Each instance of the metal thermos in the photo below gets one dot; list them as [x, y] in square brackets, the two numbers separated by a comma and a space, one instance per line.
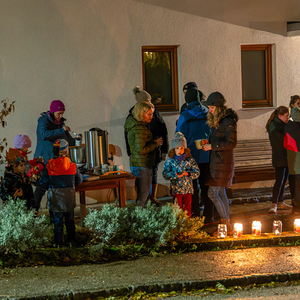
[96, 147]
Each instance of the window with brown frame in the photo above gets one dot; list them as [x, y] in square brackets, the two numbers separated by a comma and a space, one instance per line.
[160, 76]
[257, 88]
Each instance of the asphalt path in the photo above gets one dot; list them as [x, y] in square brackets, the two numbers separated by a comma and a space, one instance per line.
[274, 293]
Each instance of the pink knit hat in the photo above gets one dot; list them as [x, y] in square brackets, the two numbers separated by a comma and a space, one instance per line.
[56, 105]
[22, 141]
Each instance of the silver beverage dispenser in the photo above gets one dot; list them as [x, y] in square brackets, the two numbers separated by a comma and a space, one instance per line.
[96, 148]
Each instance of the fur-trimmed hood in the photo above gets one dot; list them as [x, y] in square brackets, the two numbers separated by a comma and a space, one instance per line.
[214, 120]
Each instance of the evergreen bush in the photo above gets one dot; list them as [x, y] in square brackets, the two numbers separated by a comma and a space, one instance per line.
[20, 229]
[113, 225]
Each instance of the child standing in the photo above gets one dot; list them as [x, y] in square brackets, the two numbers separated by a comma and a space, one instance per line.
[181, 169]
[60, 177]
[16, 183]
[34, 167]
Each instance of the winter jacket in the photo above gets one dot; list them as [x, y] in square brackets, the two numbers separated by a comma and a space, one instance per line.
[60, 177]
[158, 129]
[192, 123]
[47, 133]
[14, 181]
[223, 140]
[142, 146]
[292, 144]
[182, 185]
[276, 136]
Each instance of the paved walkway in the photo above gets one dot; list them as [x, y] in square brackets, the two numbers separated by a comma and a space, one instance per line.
[153, 274]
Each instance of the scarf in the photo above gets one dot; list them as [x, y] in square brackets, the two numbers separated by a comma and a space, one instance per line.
[53, 120]
[180, 157]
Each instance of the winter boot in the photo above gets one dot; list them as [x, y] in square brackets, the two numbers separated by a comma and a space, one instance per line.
[153, 198]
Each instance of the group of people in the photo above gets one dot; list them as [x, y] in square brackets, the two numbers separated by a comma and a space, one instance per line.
[190, 169]
[283, 128]
[51, 170]
[207, 169]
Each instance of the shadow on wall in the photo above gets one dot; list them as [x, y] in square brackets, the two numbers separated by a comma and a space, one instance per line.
[253, 113]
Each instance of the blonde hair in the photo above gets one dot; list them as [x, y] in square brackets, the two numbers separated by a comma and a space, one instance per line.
[140, 109]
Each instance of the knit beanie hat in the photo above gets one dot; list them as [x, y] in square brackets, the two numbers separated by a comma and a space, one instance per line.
[190, 85]
[295, 114]
[141, 95]
[178, 140]
[56, 105]
[215, 99]
[191, 95]
[22, 141]
[63, 144]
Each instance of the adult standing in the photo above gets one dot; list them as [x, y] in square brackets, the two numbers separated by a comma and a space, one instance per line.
[276, 130]
[292, 144]
[222, 121]
[192, 123]
[51, 127]
[142, 148]
[158, 129]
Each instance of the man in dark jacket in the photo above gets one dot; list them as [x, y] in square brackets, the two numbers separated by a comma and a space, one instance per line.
[192, 123]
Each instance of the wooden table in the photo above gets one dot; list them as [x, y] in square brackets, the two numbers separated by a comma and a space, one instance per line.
[112, 182]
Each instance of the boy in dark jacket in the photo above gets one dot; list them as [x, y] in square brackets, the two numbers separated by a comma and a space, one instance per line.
[60, 177]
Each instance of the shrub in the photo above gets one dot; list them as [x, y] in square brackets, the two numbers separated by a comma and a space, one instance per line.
[20, 230]
[159, 225]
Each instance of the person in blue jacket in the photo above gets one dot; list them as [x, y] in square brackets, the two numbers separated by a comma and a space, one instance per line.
[60, 178]
[192, 123]
[51, 127]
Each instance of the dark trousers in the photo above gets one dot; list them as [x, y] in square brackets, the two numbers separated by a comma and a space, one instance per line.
[292, 185]
[205, 200]
[296, 201]
[282, 174]
[58, 220]
[184, 202]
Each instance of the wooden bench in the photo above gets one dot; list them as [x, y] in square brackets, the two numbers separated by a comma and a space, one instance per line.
[253, 161]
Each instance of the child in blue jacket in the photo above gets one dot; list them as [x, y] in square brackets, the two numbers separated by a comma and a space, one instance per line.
[60, 177]
[181, 169]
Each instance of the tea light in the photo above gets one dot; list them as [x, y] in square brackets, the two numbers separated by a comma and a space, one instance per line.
[238, 230]
[297, 225]
[222, 231]
[277, 227]
[256, 228]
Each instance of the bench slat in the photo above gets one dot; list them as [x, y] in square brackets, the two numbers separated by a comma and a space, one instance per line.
[253, 161]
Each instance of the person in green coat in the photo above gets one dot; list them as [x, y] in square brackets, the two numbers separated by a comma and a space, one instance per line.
[142, 148]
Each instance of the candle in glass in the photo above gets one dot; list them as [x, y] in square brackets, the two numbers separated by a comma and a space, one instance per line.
[222, 231]
[238, 230]
[297, 225]
[277, 227]
[256, 228]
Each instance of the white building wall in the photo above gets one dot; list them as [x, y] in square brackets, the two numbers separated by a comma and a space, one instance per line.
[88, 54]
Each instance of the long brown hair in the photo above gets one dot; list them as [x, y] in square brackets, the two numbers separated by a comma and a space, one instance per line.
[214, 119]
[281, 110]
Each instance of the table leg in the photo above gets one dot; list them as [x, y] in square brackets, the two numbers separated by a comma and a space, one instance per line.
[82, 207]
[122, 193]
